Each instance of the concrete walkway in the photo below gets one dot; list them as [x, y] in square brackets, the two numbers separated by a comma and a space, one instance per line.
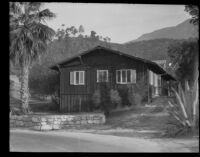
[63, 141]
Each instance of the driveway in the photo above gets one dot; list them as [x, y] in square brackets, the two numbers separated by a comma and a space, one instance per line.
[63, 141]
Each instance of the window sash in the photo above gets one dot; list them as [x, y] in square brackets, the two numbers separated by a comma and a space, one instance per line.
[101, 75]
[123, 74]
[133, 76]
[71, 77]
[82, 77]
[77, 77]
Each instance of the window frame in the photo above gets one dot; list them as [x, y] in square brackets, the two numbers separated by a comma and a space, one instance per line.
[74, 82]
[106, 75]
[131, 76]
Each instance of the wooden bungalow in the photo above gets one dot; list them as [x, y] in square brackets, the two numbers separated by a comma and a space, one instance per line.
[81, 74]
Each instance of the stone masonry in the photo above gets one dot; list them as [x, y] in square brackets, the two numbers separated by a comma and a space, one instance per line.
[55, 122]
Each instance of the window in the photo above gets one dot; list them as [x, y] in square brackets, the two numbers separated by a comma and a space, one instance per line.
[77, 77]
[102, 75]
[125, 76]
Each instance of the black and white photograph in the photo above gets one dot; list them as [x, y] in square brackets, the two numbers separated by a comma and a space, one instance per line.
[103, 77]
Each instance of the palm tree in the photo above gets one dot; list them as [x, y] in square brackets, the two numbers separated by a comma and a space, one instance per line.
[29, 37]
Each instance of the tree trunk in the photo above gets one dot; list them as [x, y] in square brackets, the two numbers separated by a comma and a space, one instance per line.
[24, 92]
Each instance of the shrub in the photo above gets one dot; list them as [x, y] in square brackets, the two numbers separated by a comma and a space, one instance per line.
[43, 81]
[106, 104]
[185, 109]
[135, 96]
[131, 95]
[115, 98]
[96, 99]
[123, 92]
[141, 88]
[138, 93]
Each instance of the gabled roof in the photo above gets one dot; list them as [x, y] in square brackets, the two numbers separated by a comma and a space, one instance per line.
[151, 65]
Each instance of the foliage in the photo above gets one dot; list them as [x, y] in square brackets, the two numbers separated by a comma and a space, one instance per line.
[137, 93]
[64, 33]
[123, 93]
[29, 38]
[106, 105]
[184, 60]
[81, 29]
[43, 81]
[175, 129]
[132, 95]
[115, 98]
[105, 99]
[186, 108]
[193, 10]
[96, 98]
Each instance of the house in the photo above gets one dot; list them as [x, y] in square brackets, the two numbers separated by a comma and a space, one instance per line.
[81, 75]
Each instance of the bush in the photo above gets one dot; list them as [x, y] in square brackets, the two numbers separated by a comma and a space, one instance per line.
[135, 96]
[96, 99]
[138, 93]
[106, 104]
[43, 81]
[141, 88]
[175, 129]
[115, 98]
[105, 99]
[123, 93]
[185, 109]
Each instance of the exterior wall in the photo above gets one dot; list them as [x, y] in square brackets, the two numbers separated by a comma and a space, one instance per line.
[157, 89]
[74, 98]
[55, 122]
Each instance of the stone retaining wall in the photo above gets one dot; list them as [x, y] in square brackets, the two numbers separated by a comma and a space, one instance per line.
[54, 122]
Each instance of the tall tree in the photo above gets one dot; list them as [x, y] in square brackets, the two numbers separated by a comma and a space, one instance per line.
[184, 59]
[93, 34]
[193, 10]
[29, 37]
[81, 29]
[73, 30]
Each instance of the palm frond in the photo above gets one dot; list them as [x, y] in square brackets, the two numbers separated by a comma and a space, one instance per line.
[28, 36]
[46, 14]
[34, 6]
[14, 8]
[41, 31]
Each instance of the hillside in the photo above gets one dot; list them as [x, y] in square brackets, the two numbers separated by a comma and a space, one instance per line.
[60, 50]
[184, 30]
[151, 50]
[151, 46]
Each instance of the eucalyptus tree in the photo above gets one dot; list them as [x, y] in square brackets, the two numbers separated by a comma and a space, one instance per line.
[29, 37]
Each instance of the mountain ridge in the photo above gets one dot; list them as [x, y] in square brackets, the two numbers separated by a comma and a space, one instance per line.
[184, 30]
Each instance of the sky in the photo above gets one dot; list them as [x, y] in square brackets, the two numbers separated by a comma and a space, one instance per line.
[120, 22]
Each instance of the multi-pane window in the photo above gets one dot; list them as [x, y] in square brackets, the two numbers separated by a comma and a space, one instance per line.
[102, 75]
[77, 77]
[125, 76]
